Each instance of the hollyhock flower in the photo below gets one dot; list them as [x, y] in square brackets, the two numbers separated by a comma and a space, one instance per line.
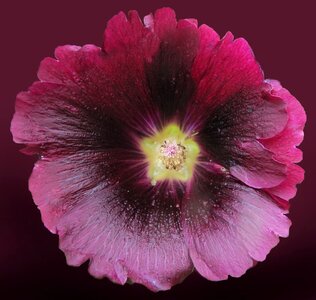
[163, 151]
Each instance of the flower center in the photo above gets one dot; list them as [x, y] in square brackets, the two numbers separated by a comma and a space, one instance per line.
[170, 154]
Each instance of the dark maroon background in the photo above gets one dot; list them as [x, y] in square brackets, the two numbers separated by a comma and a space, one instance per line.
[282, 35]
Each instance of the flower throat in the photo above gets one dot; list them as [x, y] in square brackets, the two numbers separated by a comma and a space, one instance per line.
[170, 154]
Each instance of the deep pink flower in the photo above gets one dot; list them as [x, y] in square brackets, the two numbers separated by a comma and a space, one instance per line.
[164, 151]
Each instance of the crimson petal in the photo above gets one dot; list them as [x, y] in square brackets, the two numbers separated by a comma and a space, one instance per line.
[233, 108]
[224, 67]
[168, 75]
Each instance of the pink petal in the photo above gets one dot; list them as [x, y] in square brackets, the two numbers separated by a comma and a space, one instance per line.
[156, 260]
[94, 224]
[228, 227]
[284, 144]
[258, 169]
[231, 131]
[287, 188]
